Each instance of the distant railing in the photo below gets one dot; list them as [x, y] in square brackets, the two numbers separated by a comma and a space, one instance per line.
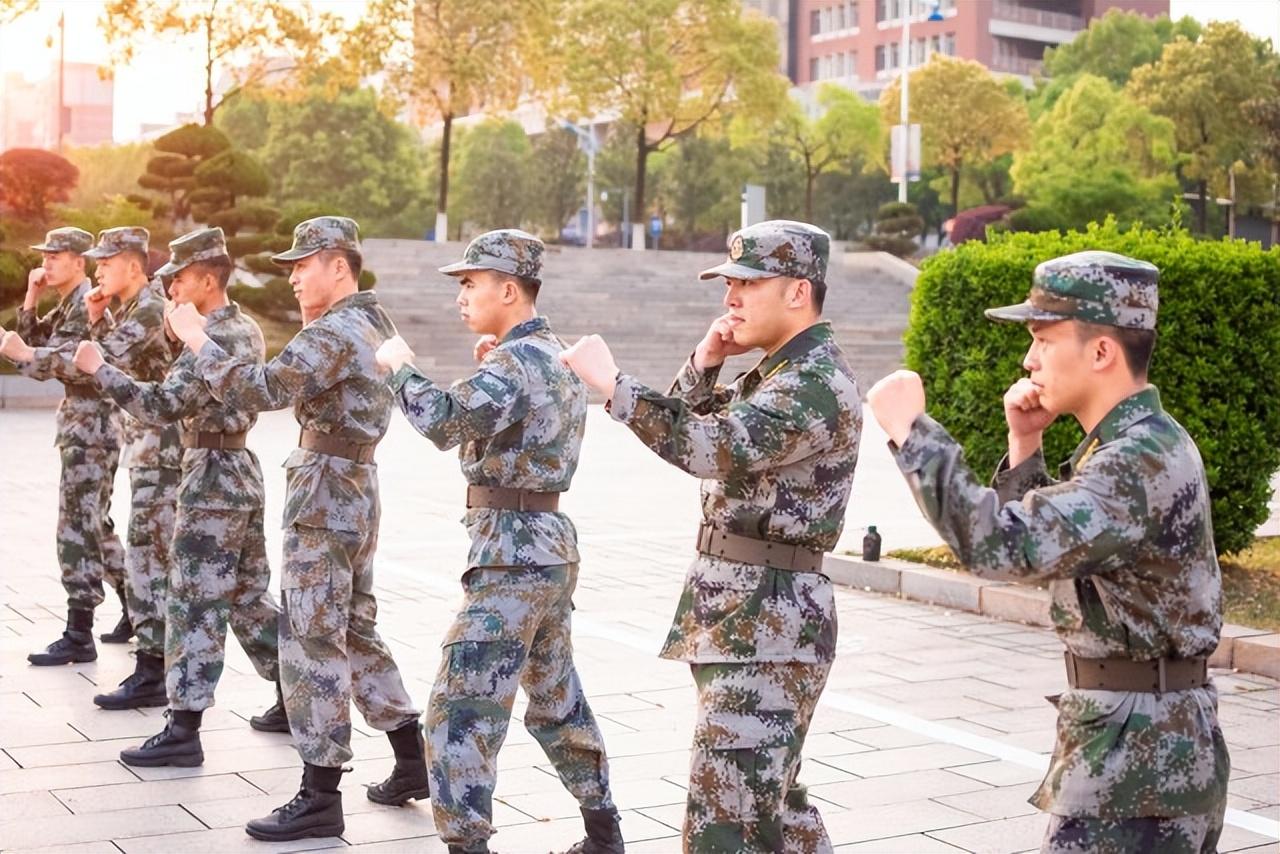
[1008, 11]
[1017, 65]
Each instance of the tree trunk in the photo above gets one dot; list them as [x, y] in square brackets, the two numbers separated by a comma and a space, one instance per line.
[809, 178]
[642, 161]
[955, 190]
[208, 71]
[1202, 213]
[442, 203]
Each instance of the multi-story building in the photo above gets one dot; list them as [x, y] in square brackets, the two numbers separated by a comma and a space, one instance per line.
[858, 43]
[30, 109]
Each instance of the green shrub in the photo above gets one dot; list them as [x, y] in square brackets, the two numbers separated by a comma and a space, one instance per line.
[1216, 362]
[274, 299]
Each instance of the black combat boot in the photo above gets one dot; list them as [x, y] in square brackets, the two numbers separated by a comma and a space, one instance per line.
[479, 848]
[143, 687]
[75, 645]
[408, 780]
[124, 629]
[604, 834]
[273, 719]
[178, 744]
[315, 811]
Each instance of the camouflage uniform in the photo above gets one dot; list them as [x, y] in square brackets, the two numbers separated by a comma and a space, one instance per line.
[776, 452]
[220, 570]
[1125, 542]
[88, 439]
[135, 342]
[330, 652]
[519, 421]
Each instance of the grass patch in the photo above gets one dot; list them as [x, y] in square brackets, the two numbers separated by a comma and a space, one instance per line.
[1250, 580]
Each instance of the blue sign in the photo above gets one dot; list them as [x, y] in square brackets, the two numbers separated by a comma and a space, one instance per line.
[655, 225]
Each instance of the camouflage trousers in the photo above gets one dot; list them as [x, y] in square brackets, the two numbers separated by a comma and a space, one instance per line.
[1192, 834]
[147, 561]
[88, 548]
[751, 725]
[219, 574]
[513, 630]
[330, 652]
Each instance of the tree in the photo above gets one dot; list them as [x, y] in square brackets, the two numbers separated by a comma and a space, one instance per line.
[172, 170]
[701, 188]
[344, 153]
[228, 30]
[557, 180]
[1203, 87]
[966, 116]
[493, 170]
[1115, 44]
[1098, 152]
[845, 129]
[32, 179]
[897, 226]
[665, 68]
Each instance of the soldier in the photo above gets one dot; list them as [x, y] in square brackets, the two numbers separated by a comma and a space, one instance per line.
[88, 440]
[1125, 542]
[519, 421]
[776, 451]
[330, 652]
[220, 570]
[135, 342]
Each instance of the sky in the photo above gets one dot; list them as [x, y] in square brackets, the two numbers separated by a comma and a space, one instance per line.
[166, 78]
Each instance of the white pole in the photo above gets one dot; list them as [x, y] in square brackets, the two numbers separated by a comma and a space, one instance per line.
[591, 186]
[904, 60]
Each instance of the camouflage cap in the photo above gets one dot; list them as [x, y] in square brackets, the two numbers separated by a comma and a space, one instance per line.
[777, 247]
[126, 238]
[68, 239]
[203, 244]
[1096, 287]
[507, 250]
[323, 232]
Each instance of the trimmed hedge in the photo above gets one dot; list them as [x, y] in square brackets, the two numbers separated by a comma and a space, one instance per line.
[1217, 359]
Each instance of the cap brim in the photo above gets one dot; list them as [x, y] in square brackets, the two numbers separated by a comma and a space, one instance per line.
[289, 256]
[731, 270]
[1023, 312]
[45, 248]
[460, 267]
[99, 252]
[172, 269]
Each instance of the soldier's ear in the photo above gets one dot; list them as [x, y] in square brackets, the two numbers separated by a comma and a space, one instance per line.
[798, 293]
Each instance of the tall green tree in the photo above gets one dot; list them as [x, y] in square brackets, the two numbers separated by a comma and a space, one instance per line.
[494, 160]
[967, 117]
[172, 169]
[664, 68]
[701, 187]
[558, 179]
[1203, 86]
[1114, 45]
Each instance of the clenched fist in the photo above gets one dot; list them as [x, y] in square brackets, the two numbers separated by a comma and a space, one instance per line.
[485, 346]
[188, 324]
[897, 401]
[393, 354]
[718, 344]
[88, 357]
[95, 301]
[591, 360]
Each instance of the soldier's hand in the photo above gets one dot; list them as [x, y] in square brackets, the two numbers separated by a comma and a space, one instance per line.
[168, 330]
[484, 346]
[897, 401]
[37, 281]
[393, 354]
[187, 324]
[95, 301]
[88, 357]
[591, 360]
[718, 344]
[1023, 411]
[13, 348]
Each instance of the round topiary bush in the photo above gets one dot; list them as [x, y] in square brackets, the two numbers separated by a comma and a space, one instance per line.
[1216, 361]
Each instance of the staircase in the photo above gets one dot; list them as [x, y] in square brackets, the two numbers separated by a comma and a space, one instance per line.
[649, 306]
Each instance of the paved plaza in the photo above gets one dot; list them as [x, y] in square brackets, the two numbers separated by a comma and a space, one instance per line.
[932, 733]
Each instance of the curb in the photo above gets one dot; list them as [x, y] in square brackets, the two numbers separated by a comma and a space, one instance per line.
[1241, 648]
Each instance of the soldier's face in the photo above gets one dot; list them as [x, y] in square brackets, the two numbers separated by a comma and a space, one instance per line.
[1057, 364]
[314, 281]
[62, 268]
[191, 286]
[483, 301]
[759, 306]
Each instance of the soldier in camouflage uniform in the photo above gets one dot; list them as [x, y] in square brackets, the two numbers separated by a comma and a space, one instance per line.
[330, 652]
[1124, 540]
[776, 452]
[220, 569]
[519, 421]
[88, 440]
[134, 341]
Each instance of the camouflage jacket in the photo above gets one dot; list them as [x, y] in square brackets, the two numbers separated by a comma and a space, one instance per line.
[519, 421]
[776, 451]
[134, 341]
[327, 372]
[1125, 543]
[212, 479]
[85, 417]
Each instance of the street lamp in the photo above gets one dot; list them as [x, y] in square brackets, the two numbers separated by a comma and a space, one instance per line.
[902, 140]
[587, 139]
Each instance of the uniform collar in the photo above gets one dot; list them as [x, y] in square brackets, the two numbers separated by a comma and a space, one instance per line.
[528, 327]
[803, 343]
[1128, 412]
[227, 312]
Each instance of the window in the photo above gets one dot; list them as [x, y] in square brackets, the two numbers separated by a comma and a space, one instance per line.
[813, 68]
[815, 22]
[935, 44]
[880, 58]
[853, 13]
[949, 44]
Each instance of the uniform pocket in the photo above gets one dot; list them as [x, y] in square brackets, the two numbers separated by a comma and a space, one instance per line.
[316, 595]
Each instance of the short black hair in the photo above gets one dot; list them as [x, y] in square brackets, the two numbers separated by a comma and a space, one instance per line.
[352, 257]
[144, 260]
[220, 268]
[528, 285]
[818, 288]
[1136, 344]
